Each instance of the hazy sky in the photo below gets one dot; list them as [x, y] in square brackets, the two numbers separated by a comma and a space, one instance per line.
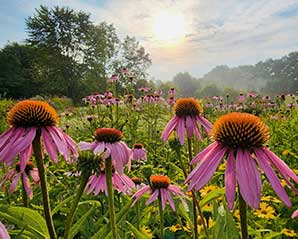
[186, 35]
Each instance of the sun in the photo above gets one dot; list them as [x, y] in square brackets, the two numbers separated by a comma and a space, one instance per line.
[169, 27]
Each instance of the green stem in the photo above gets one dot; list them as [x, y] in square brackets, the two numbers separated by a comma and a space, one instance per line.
[138, 215]
[109, 172]
[84, 180]
[24, 195]
[43, 184]
[161, 216]
[243, 217]
[196, 201]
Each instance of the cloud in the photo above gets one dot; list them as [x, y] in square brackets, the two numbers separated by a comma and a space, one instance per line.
[229, 32]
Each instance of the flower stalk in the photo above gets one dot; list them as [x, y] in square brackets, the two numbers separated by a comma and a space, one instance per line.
[108, 171]
[24, 195]
[243, 217]
[84, 180]
[43, 184]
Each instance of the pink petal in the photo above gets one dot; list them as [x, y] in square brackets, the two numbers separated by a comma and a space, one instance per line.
[99, 148]
[170, 200]
[189, 125]
[204, 153]
[27, 186]
[49, 145]
[169, 128]
[14, 183]
[59, 142]
[295, 214]
[272, 177]
[180, 130]
[4, 138]
[207, 126]
[3, 232]
[25, 155]
[153, 197]
[139, 193]
[204, 171]
[162, 192]
[230, 180]
[87, 146]
[35, 176]
[248, 178]
[196, 129]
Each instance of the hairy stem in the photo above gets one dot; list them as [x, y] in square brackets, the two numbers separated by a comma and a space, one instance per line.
[243, 217]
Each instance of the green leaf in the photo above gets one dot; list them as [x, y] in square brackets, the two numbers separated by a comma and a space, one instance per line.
[26, 219]
[211, 196]
[104, 231]
[77, 226]
[136, 232]
[62, 204]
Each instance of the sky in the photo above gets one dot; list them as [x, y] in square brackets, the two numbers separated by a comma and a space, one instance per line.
[185, 35]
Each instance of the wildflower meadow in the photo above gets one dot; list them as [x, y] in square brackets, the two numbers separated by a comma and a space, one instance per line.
[153, 166]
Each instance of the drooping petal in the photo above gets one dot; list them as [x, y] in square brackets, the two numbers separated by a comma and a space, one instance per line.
[171, 125]
[197, 130]
[162, 192]
[27, 186]
[87, 146]
[139, 193]
[204, 171]
[230, 180]
[207, 126]
[272, 177]
[25, 155]
[170, 199]
[3, 232]
[203, 153]
[180, 130]
[248, 178]
[295, 214]
[91, 184]
[14, 183]
[35, 176]
[50, 146]
[189, 125]
[4, 138]
[8, 176]
[117, 183]
[100, 184]
[282, 167]
[99, 148]
[153, 197]
[60, 142]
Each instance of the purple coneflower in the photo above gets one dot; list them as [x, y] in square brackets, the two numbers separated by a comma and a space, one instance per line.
[26, 117]
[172, 92]
[242, 138]
[124, 71]
[139, 152]
[112, 79]
[295, 214]
[187, 116]
[161, 186]
[108, 142]
[98, 183]
[15, 174]
[3, 232]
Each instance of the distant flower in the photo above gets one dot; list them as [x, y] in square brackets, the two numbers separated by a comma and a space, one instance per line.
[108, 142]
[171, 100]
[138, 152]
[188, 113]
[3, 232]
[172, 92]
[138, 182]
[121, 183]
[295, 214]
[241, 97]
[144, 89]
[16, 174]
[208, 105]
[242, 137]
[288, 232]
[161, 186]
[149, 98]
[124, 71]
[252, 95]
[265, 211]
[112, 79]
[26, 117]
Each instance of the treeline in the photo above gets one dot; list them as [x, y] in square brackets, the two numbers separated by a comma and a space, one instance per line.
[269, 77]
[66, 54]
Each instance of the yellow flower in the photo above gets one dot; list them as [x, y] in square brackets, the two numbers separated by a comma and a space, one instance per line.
[265, 211]
[295, 171]
[208, 207]
[270, 199]
[147, 231]
[283, 182]
[286, 152]
[222, 167]
[201, 226]
[205, 190]
[288, 232]
[237, 214]
[175, 228]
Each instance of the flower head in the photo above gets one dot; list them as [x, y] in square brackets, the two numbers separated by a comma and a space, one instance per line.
[26, 117]
[108, 144]
[187, 116]
[242, 138]
[138, 152]
[265, 211]
[16, 174]
[160, 186]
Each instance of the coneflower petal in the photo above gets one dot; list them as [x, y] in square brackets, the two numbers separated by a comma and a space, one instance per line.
[180, 130]
[248, 178]
[59, 142]
[207, 126]
[49, 145]
[272, 177]
[230, 180]
[139, 193]
[196, 129]
[14, 183]
[25, 155]
[170, 200]
[87, 146]
[5, 137]
[189, 125]
[203, 153]
[163, 197]
[27, 186]
[153, 197]
[169, 128]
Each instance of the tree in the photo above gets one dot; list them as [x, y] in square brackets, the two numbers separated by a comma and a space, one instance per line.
[16, 67]
[186, 85]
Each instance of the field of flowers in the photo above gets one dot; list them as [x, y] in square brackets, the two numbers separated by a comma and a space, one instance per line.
[148, 165]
